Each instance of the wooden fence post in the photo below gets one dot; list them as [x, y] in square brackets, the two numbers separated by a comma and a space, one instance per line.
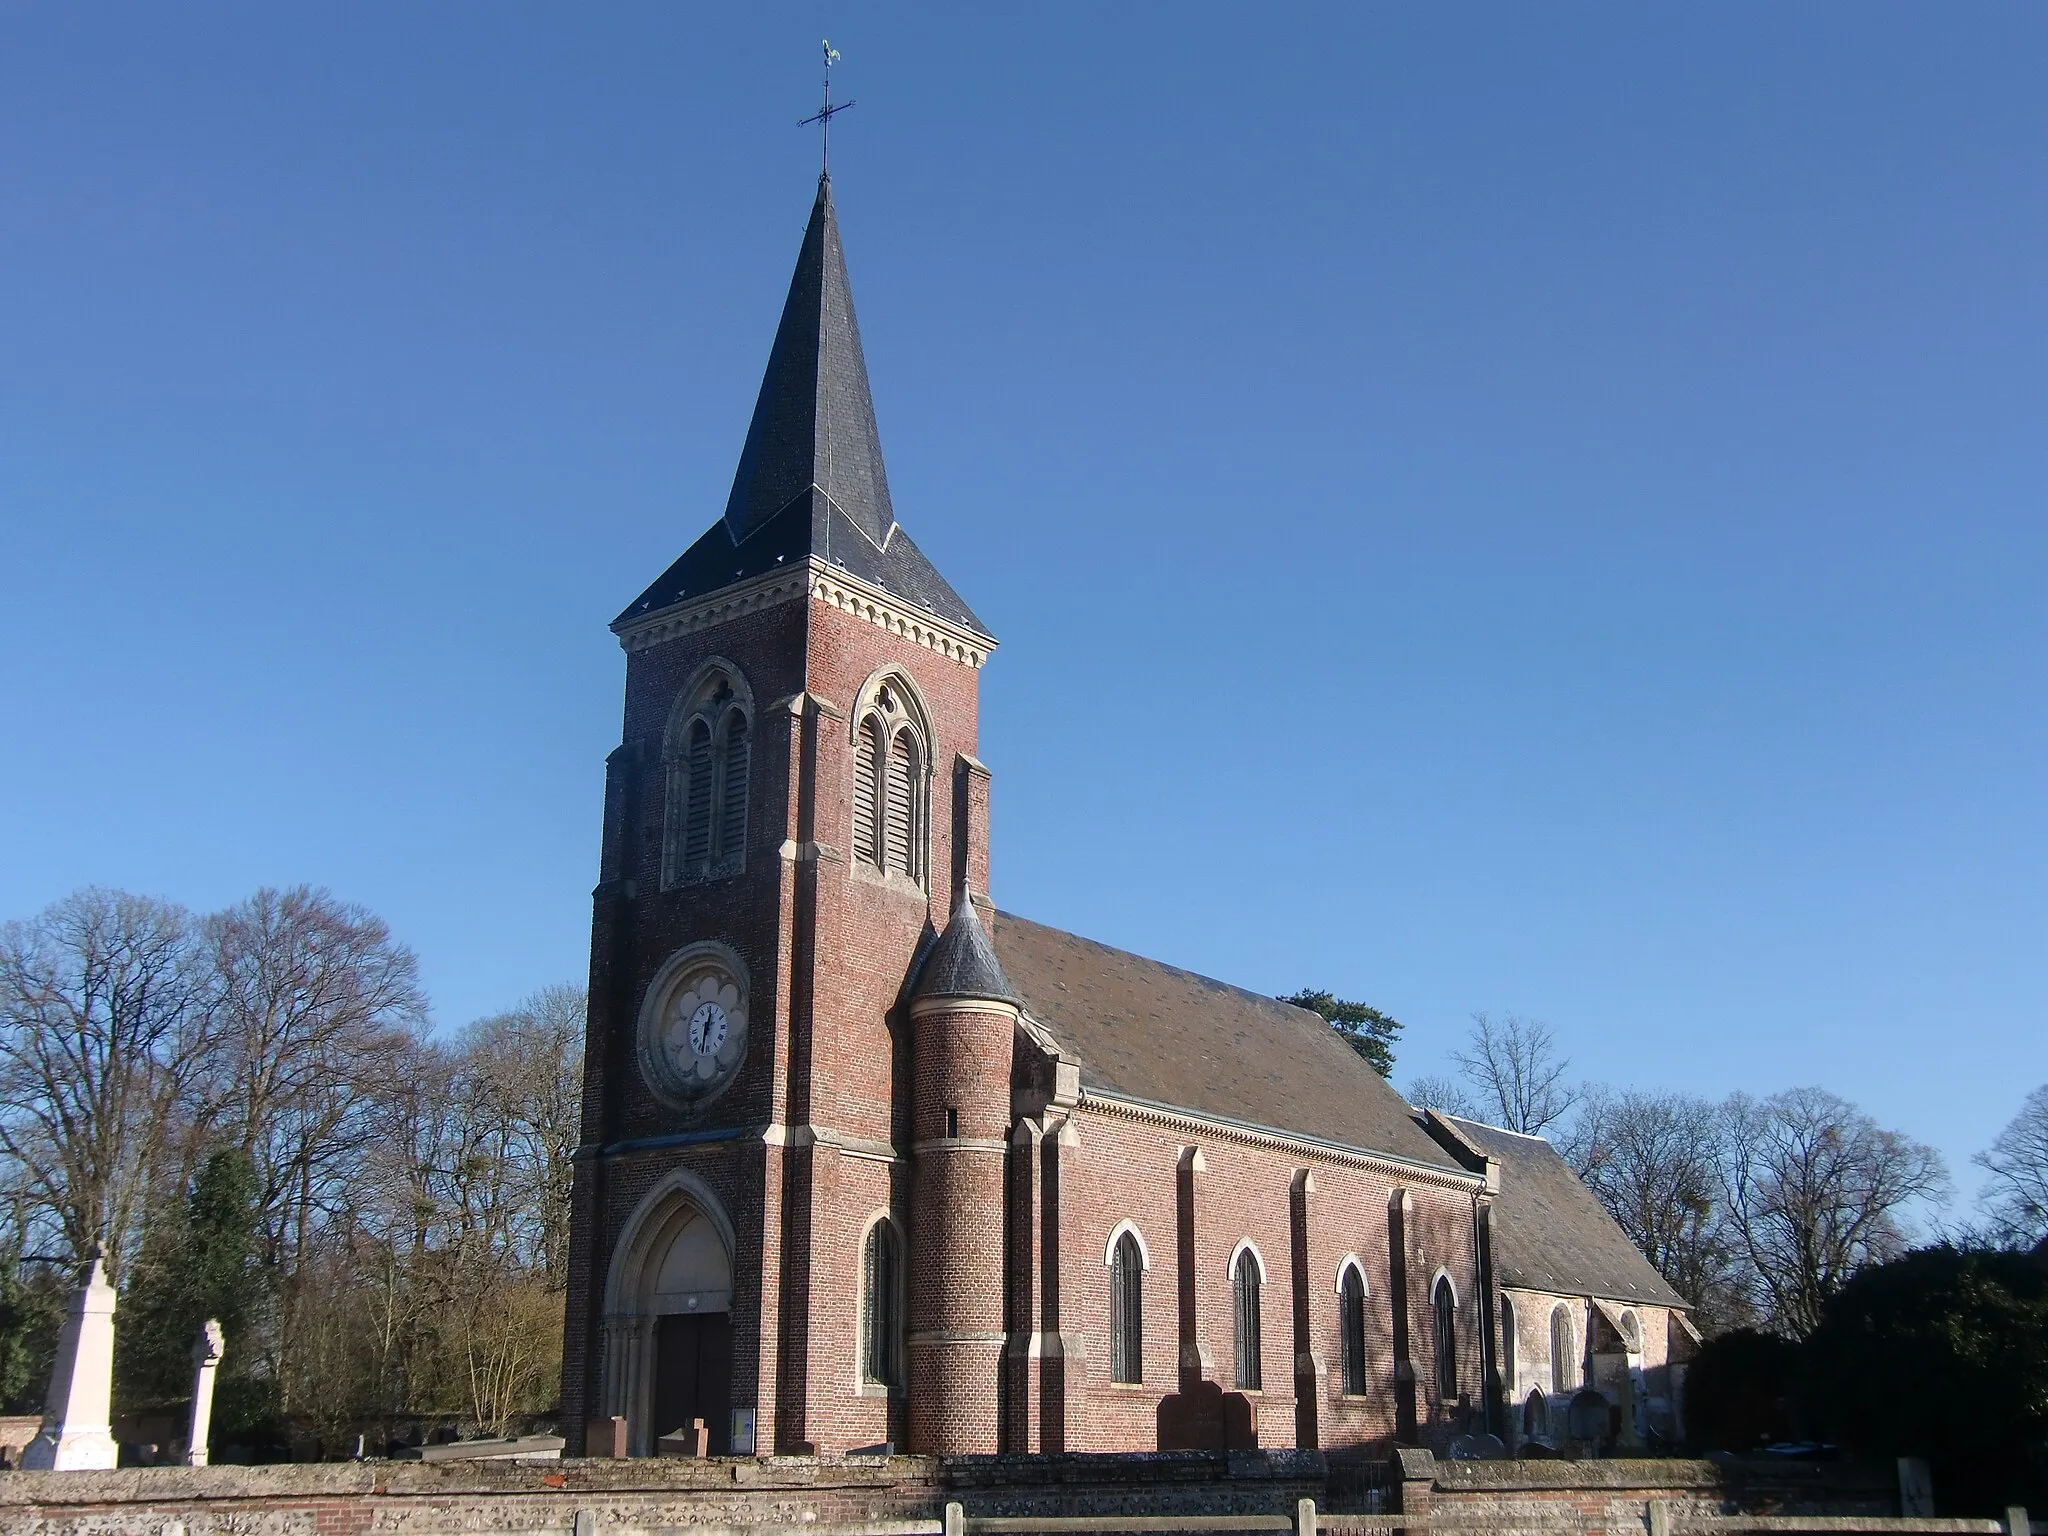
[1305, 1517]
[2016, 1521]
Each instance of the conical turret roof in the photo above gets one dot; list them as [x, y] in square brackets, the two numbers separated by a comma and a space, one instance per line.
[963, 963]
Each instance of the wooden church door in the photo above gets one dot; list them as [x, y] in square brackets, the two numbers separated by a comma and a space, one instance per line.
[693, 1376]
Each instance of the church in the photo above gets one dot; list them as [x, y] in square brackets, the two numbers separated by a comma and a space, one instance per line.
[868, 1163]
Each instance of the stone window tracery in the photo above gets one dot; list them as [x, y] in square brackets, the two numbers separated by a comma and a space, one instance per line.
[706, 755]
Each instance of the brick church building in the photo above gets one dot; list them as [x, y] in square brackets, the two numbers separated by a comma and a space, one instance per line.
[867, 1162]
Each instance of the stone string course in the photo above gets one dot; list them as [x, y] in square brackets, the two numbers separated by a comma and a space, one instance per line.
[892, 1496]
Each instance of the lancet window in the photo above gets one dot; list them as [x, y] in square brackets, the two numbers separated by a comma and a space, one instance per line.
[1351, 1328]
[1564, 1350]
[881, 1309]
[1444, 1303]
[1127, 1310]
[1246, 1280]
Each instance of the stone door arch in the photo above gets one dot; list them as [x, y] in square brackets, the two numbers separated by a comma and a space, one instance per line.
[673, 1259]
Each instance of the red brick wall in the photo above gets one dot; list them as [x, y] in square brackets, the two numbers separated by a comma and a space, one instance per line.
[1124, 1168]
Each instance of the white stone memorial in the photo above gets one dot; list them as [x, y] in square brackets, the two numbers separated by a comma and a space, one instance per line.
[77, 1433]
[206, 1352]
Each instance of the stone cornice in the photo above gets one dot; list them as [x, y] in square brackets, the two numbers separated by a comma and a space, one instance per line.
[1194, 1122]
[812, 578]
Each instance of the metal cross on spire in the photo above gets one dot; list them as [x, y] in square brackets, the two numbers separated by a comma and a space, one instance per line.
[824, 115]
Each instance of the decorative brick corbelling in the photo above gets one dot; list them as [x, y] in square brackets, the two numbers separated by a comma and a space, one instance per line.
[890, 612]
[810, 578]
[691, 615]
[1191, 1122]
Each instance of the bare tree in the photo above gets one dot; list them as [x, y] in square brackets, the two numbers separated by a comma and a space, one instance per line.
[1513, 1064]
[1445, 1095]
[527, 1068]
[1815, 1190]
[2015, 1197]
[101, 1026]
[1652, 1160]
[315, 1007]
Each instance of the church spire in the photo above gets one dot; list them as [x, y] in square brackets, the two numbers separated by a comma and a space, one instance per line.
[810, 484]
[814, 423]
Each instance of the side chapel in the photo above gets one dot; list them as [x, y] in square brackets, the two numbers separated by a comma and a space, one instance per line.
[866, 1162]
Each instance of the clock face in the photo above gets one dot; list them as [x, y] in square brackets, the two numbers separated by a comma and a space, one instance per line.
[693, 1030]
[707, 1029]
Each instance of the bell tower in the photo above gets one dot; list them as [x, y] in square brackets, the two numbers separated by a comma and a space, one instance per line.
[794, 808]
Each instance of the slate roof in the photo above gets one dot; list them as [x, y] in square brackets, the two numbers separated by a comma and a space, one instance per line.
[810, 479]
[963, 963]
[1144, 1030]
[1550, 1234]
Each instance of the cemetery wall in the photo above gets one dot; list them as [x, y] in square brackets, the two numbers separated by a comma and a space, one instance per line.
[883, 1496]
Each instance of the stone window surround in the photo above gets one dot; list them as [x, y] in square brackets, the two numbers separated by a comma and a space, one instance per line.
[914, 714]
[691, 706]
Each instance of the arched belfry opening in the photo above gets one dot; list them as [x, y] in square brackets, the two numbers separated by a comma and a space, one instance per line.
[668, 1317]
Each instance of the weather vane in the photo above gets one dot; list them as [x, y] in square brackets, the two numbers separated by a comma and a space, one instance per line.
[824, 115]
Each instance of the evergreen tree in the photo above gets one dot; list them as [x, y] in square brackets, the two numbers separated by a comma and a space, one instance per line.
[30, 1317]
[1943, 1354]
[1365, 1029]
[198, 1263]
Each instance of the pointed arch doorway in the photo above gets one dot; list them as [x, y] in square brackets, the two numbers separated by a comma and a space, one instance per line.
[668, 1317]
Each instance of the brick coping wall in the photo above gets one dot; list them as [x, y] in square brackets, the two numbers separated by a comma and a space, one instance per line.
[885, 1496]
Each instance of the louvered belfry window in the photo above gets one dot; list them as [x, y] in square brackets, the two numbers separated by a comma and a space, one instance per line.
[867, 780]
[1351, 1320]
[697, 808]
[1126, 1311]
[732, 790]
[889, 791]
[1244, 1296]
[1445, 1305]
[902, 815]
[880, 1324]
[707, 754]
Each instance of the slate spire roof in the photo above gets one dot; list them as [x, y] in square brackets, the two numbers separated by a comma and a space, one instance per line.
[963, 963]
[810, 479]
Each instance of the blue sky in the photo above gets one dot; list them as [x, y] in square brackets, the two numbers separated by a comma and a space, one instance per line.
[1532, 509]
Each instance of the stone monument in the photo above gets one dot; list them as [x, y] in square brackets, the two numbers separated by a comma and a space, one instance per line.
[77, 1433]
[206, 1352]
